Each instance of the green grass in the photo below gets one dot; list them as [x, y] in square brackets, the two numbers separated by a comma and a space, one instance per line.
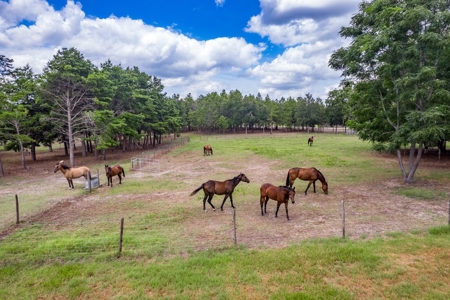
[421, 193]
[80, 260]
[315, 269]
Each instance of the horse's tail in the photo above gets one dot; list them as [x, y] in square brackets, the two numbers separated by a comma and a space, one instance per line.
[211, 151]
[123, 172]
[195, 192]
[288, 180]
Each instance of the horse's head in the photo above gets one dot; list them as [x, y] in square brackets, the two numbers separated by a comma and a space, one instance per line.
[58, 166]
[244, 178]
[325, 187]
[107, 169]
[292, 195]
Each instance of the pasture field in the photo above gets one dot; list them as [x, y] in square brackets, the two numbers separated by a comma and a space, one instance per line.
[397, 242]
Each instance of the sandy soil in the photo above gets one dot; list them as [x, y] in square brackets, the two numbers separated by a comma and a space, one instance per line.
[370, 209]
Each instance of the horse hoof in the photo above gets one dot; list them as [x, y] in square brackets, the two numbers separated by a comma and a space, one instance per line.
[214, 209]
[205, 210]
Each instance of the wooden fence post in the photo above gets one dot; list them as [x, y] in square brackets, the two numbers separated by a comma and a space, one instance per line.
[17, 210]
[448, 212]
[234, 225]
[98, 177]
[120, 237]
[343, 219]
[89, 183]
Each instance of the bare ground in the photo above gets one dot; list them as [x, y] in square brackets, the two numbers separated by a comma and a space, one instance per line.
[371, 209]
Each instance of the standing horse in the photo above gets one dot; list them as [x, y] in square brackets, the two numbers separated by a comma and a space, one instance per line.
[71, 173]
[281, 194]
[207, 150]
[226, 188]
[113, 171]
[310, 141]
[307, 174]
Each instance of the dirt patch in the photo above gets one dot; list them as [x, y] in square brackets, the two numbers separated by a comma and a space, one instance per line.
[370, 209]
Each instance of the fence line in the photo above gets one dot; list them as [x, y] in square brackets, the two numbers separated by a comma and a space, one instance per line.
[212, 230]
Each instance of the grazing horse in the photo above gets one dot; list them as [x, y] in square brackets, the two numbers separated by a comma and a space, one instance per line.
[207, 150]
[113, 171]
[308, 174]
[226, 188]
[71, 173]
[310, 141]
[281, 194]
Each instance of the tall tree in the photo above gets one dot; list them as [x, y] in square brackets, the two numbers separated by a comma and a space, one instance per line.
[398, 63]
[6, 67]
[64, 86]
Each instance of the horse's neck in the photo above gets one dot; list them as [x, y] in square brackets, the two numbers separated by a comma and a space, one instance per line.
[320, 177]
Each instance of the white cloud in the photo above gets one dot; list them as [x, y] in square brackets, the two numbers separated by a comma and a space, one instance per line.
[175, 58]
[219, 2]
[308, 28]
[292, 22]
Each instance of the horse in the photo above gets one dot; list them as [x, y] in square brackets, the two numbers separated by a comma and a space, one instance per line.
[113, 171]
[212, 187]
[281, 194]
[70, 172]
[207, 150]
[311, 174]
[310, 141]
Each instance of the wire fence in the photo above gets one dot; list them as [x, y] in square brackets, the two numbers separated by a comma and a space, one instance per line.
[73, 232]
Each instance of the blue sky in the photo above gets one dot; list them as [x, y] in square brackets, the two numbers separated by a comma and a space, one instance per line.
[275, 47]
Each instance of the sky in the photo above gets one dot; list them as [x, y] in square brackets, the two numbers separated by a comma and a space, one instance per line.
[278, 48]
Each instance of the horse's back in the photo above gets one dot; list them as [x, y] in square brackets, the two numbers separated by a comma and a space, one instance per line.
[268, 190]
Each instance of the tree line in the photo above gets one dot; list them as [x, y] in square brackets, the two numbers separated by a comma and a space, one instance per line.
[395, 93]
[112, 106]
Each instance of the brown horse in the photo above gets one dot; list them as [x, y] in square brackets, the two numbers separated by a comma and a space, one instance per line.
[113, 171]
[310, 141]
[308, 174]
[281, 194]
[226, 188]
[71, 173]
[207, 150]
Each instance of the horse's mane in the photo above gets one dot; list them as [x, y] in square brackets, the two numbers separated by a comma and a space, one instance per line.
[234, 179]
[321, 175]
[64, 166]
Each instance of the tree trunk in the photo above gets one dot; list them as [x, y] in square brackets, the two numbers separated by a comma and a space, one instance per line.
[83, 147]
[413, 162]
[33, 151]
[22, 153]
[1, 168]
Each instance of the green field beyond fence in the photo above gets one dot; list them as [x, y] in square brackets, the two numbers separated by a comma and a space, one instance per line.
[67, 244]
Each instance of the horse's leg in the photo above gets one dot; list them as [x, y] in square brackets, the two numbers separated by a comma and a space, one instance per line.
[224, 199]
[209, 201]
[314, 185]
[265, 204]
[287, 213]
[68, 181]
[278, 207]
[120, 178]
[231, 200]
[261, 201]
[204, 202]
[309, 184]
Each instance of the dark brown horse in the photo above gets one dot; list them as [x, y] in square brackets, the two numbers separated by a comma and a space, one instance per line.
[207, 150]
[71, 173]
[113, 171]
[308, 174]
[281, 194]
[226, 188]
[310, 141]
